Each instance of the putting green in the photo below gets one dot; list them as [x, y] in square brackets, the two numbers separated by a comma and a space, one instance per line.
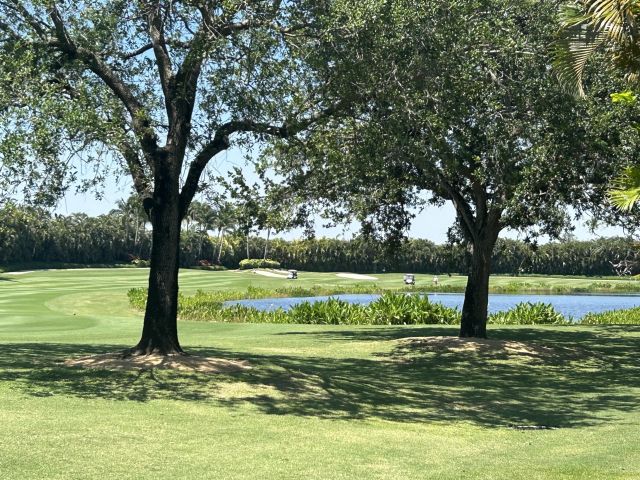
[320, 402]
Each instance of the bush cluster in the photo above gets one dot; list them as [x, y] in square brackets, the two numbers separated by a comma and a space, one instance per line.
[528, 313]
[629, 316]
[249, 263]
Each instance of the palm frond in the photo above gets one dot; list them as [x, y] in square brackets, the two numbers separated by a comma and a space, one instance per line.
[618, 18]
[585, 28]
[572, 52]
[626, 188]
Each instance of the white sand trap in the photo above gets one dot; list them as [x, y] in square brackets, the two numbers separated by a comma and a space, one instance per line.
[266, 273]
[356, 276]
[19, 273]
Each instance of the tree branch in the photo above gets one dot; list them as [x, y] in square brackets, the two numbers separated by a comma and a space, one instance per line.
[221, 142]
[140, 123]
[141, 181]
[39, 27]
[462, 208]
[156, 33]
[139, 51]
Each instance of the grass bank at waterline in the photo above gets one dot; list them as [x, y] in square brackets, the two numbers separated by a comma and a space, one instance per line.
[320, 402]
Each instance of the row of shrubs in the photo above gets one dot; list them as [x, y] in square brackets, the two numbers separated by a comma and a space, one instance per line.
[392, 308]
[249, 263]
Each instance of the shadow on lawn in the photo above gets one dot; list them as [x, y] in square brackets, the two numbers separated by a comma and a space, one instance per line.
[589, 380]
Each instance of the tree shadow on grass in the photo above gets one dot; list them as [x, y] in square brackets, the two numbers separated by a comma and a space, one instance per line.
[591, 378]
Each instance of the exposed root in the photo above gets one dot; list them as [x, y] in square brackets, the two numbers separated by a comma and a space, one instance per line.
[143, 352]
[532, 427]
[180, 361]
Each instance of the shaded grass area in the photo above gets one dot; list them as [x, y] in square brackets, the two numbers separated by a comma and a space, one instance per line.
[590, 378]
[321, 402]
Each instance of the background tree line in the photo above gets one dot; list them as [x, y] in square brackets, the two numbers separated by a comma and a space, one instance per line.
[31, 235]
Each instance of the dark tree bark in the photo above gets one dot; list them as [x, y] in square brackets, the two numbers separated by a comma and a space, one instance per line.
[481, 226]
[160, 329]
[476, 295]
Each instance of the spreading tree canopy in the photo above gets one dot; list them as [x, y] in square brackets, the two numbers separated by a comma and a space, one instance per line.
[458, 100]
[156, 89]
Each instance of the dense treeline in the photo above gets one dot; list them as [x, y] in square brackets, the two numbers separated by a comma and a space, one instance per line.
[32, 235]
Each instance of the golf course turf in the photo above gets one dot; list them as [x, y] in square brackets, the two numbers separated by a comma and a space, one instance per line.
[319, 402]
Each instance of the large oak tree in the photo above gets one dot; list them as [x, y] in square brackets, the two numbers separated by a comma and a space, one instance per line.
[458, 100]
[154, 88]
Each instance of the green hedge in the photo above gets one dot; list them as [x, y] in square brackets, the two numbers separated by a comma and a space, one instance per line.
[249, 263]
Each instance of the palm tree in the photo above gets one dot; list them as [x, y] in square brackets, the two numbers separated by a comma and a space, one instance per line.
[225, 220]
[590, 26]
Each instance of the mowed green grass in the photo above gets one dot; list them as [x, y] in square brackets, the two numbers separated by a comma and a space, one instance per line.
[320, 402]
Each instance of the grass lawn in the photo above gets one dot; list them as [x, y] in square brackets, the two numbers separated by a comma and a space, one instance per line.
[320, 402]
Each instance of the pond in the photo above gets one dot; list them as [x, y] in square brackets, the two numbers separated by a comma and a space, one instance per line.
[575, 306]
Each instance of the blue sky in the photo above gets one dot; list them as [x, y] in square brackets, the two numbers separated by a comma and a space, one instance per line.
[432, 223]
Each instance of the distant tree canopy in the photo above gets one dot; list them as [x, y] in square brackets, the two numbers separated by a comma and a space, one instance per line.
[31, 235]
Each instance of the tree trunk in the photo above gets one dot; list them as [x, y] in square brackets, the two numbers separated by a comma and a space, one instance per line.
[137, 232]
[476, 295]
[160, 329]
[220, 246]
[266, 244]
[247, 245]
[200, 244]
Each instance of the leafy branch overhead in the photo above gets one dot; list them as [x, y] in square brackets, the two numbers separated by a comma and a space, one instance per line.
[153, 83]
[610, 26]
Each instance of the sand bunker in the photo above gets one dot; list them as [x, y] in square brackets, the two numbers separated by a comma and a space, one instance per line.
[479, 345]
[188, 363]
[356, 276]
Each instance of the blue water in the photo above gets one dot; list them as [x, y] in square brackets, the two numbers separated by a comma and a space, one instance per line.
[575, 306]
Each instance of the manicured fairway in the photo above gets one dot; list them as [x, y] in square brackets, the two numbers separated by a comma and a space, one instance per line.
[319, 403]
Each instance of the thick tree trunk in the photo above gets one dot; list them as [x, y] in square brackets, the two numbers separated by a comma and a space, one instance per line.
[160, 329]
[476, 295]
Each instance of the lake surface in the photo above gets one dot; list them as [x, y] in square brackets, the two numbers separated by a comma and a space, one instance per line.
[575, 306]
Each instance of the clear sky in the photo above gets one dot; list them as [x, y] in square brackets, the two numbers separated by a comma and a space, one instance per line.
[432, 223]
